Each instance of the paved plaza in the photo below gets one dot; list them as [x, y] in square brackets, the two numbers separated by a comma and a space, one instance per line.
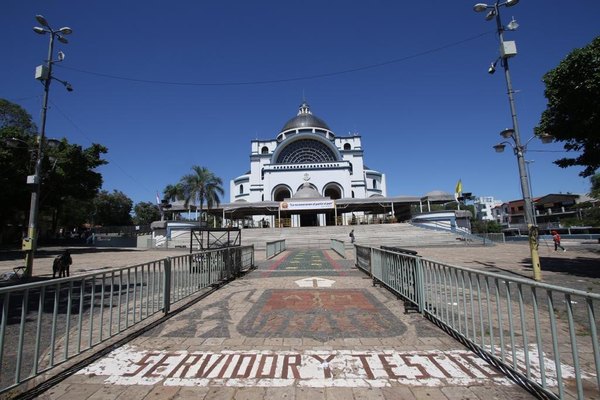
[306, 325]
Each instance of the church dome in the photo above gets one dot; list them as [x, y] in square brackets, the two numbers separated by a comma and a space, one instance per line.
[305, 119]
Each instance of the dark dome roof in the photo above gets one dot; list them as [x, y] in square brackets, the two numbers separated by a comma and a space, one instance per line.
[305, 119]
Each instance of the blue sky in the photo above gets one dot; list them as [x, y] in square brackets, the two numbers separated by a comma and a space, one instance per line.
[169, 84]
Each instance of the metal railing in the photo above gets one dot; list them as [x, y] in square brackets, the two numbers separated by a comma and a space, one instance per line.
[544, 337]
[46, 323]
[339, 247]
[275, 247]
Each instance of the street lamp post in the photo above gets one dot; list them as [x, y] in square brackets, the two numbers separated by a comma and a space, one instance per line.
[44, 74]
[507, 50]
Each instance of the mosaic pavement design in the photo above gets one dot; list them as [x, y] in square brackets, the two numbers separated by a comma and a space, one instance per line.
[321, 314]
[308, 262]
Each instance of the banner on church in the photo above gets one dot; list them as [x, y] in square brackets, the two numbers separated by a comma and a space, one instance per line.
[306, 205]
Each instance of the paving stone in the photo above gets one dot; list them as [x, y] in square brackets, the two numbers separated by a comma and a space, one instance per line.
[283, 393]
[427, 393]
[79, 391]
[108, 393]
[367, 394]
[250, 393]
[339, 393]
[304, 393]
[160, 392]
[194, 392]
[397, 393]
[220, 393]
[459, 393]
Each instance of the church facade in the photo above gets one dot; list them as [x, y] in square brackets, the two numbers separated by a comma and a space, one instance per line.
[307, 160]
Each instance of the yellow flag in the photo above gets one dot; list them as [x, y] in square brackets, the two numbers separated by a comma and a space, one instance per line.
[458, 187]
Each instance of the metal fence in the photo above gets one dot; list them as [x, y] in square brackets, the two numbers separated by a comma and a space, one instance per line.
[545, 337]
[47, 323]
[338, 247]
[275, 247]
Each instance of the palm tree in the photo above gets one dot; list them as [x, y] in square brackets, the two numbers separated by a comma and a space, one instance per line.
[172, 193]
[201, 186]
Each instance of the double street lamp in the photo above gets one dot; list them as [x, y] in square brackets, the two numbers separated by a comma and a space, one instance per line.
[508, 49]
[43, 73]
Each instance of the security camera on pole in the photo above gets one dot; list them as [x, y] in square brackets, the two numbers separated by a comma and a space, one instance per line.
[508, 49]
[43, 73]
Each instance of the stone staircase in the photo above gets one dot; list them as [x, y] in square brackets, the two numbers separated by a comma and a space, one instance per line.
[400, 235]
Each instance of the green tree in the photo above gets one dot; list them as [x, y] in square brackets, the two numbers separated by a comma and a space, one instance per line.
[481, 226]
[71, 178]
[145, 213]
[112, 209]
[172, 193]
[69, 181]
[572, 115]
[201, 186]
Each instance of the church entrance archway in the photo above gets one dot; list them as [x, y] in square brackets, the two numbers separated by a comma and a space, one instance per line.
[309, 220]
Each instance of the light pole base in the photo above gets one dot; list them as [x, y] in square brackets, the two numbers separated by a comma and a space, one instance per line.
[535, 255]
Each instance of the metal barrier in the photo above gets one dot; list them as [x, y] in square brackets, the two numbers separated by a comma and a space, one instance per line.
[544, 337]
[275, 247]
[46, 323]
[338, 247]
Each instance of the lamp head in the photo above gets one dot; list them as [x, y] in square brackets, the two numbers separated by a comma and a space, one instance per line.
[490, 15]
[513, 25]
[69, 87]
[65, 30]
[492, 68]
[507, 133]
[546, 138]
[38, 30]
[480, 7]
[52, 143]
[42, 21]
[62, 39]
[61, 56]
[499, 147]
[510, 3]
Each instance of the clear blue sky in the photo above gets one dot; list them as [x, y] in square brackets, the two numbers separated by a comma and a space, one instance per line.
[428, 118]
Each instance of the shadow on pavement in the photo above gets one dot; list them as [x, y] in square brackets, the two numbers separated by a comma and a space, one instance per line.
[586, 267]
[9, 255]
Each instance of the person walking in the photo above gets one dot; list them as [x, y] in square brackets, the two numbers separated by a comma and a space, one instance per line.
[556, 238]
[351, 236]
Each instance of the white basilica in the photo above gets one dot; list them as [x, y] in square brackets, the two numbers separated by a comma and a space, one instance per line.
[307, 172]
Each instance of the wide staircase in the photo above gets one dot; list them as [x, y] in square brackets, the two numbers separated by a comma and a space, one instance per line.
[400, 235]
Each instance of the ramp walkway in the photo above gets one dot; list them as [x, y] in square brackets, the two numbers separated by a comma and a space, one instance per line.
[304, 325]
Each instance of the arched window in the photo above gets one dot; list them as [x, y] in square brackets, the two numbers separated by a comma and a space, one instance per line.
[241, 189]
[282, 194]
[347, 146]
[374, 183]
[333, 193]
[305, 151]
[264, 150]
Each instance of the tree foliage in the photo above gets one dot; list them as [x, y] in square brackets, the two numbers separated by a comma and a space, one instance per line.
[572, 115]
[145, 213]
[201, 186]
[112, 209]
[69, 180]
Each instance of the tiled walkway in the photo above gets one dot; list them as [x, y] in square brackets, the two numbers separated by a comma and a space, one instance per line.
[305, 325]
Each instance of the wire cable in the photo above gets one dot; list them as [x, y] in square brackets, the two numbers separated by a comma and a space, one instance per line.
[282, 80]
[91, 141]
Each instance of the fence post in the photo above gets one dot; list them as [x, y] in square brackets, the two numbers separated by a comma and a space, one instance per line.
[167, 287]
[420, 285]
